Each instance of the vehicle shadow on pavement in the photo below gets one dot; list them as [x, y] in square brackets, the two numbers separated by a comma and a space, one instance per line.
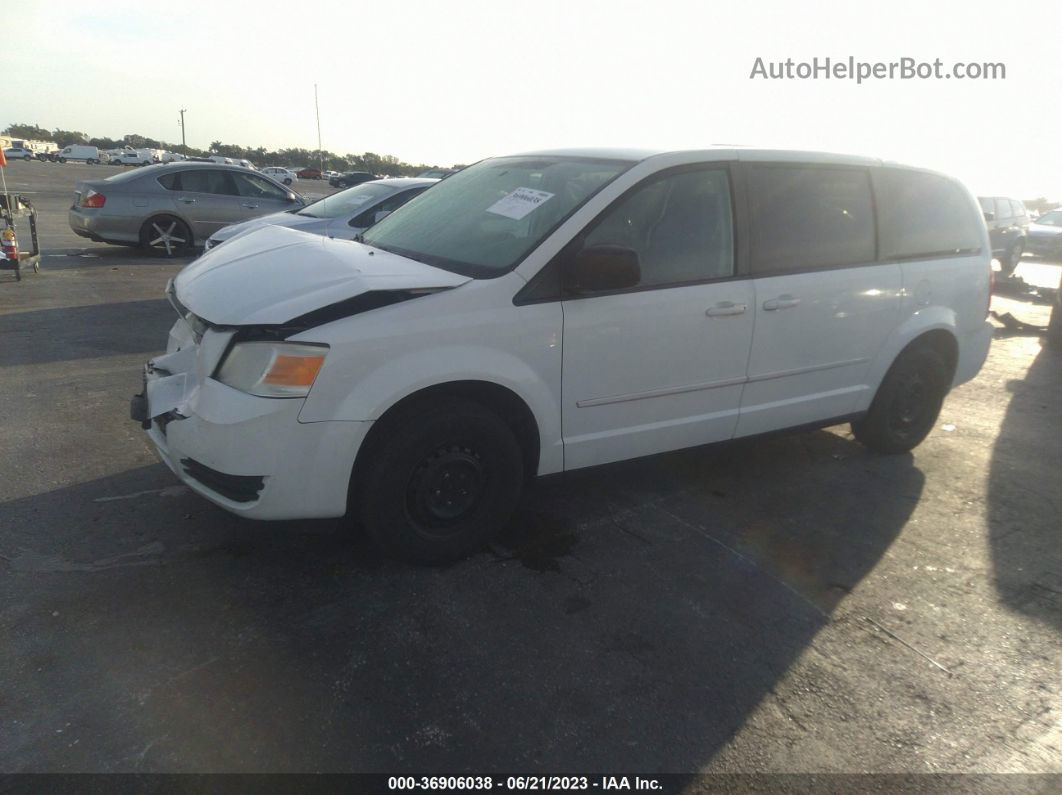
[41, 336]
[631, 619]
[1025, 495]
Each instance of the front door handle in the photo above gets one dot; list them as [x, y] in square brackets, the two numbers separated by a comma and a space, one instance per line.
[781, 302]
[724, 308]
[249, 205]
[184, 200]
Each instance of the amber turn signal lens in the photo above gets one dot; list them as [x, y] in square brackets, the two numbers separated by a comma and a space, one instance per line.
[293, 370]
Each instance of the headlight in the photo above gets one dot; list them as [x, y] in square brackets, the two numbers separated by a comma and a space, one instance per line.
[272, 369]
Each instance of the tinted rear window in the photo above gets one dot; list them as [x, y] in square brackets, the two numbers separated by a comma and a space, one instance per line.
[925, 215]
[807, 217]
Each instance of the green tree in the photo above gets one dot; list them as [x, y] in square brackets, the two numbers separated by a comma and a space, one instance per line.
[31, 131]
[67, 137]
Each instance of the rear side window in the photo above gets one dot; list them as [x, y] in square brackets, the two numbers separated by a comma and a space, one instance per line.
[1003, 208]
[925, 215]
[809, 217]
[987, 205]
[169, 181]
[1017, 207]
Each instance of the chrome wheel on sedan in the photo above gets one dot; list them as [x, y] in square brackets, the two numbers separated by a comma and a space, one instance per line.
[167, 235]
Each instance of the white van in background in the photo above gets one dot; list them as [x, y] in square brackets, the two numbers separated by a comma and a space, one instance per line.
[79, 152]
[550, 311]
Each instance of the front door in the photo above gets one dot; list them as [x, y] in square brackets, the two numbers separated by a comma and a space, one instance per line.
[659, 366]
[209, 200]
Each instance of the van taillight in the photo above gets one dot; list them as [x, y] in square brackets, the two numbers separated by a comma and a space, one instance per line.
[93, 199]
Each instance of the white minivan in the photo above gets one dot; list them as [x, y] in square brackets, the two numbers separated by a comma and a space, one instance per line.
[550, 311]
[89, 154]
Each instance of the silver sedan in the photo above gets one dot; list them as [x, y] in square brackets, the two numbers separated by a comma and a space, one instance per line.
[342, 215]
[173, 207]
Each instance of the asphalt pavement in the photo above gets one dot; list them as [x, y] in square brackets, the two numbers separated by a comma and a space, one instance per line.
[792, 604]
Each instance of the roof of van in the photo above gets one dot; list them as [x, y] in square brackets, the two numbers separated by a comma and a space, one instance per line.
[715, 152]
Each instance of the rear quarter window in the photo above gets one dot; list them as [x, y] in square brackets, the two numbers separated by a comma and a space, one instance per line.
[925, 215]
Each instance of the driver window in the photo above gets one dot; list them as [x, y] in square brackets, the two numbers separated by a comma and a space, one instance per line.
[254, 187]
[680, 225]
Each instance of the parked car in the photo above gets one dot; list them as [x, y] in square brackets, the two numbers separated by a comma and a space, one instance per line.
[172, 207]
[1008, 225]
[351, 178]
[437, 173]
[282, 175]
[552, 311]
[342, 215]
[309, 173]
[130, 159]
[89, 154]
[1045, 235]
[18, 153]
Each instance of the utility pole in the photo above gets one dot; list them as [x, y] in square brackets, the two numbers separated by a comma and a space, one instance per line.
[317, 109]
[183, 142]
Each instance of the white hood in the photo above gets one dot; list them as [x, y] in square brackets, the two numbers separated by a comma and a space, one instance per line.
[273, 275]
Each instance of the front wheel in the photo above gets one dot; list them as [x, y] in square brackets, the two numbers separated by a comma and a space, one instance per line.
[907, 403]
[287, 180]
[441, 482]
[166, 235]
[62, 159]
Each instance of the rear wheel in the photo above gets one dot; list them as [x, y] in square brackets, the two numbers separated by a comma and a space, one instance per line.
[907, 403]
[441, 482]
[167, 235]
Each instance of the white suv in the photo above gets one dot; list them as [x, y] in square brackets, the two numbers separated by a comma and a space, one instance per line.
[545, 312]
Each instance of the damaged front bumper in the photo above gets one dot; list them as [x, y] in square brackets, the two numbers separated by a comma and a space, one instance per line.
[247, 454]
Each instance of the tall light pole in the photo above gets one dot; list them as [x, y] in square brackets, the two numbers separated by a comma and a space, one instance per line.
[183, 143]
[317, 109]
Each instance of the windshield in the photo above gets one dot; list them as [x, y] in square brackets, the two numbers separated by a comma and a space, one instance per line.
[347, 202]
[1053, 218]
[483, 220]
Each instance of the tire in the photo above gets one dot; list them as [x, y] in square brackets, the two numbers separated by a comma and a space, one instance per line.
[167, 235]
[287, 180]
[1009, 263]
[440, 482]
[907, 403]
[62, 159]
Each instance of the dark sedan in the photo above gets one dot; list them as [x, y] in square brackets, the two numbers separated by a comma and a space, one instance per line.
[351, 178]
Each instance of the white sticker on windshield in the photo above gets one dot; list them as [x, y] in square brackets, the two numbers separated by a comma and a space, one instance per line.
[519, 203]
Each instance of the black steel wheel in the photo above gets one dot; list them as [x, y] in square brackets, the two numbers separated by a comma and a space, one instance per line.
[907, 403]
[440, 482]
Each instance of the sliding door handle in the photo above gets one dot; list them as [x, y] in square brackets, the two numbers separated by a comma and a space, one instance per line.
[781, 302]
[724, 308]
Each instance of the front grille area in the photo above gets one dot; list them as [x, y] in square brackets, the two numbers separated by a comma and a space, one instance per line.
[238, 488]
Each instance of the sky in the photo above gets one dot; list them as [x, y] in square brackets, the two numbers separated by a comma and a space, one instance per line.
[453, 82]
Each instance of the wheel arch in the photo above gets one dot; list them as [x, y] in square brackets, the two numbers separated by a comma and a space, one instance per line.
[934, 326]
[504, 402]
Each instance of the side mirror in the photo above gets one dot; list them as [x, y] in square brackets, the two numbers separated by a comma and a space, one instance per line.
[601, 268]
[990, 216]
[380, 215]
